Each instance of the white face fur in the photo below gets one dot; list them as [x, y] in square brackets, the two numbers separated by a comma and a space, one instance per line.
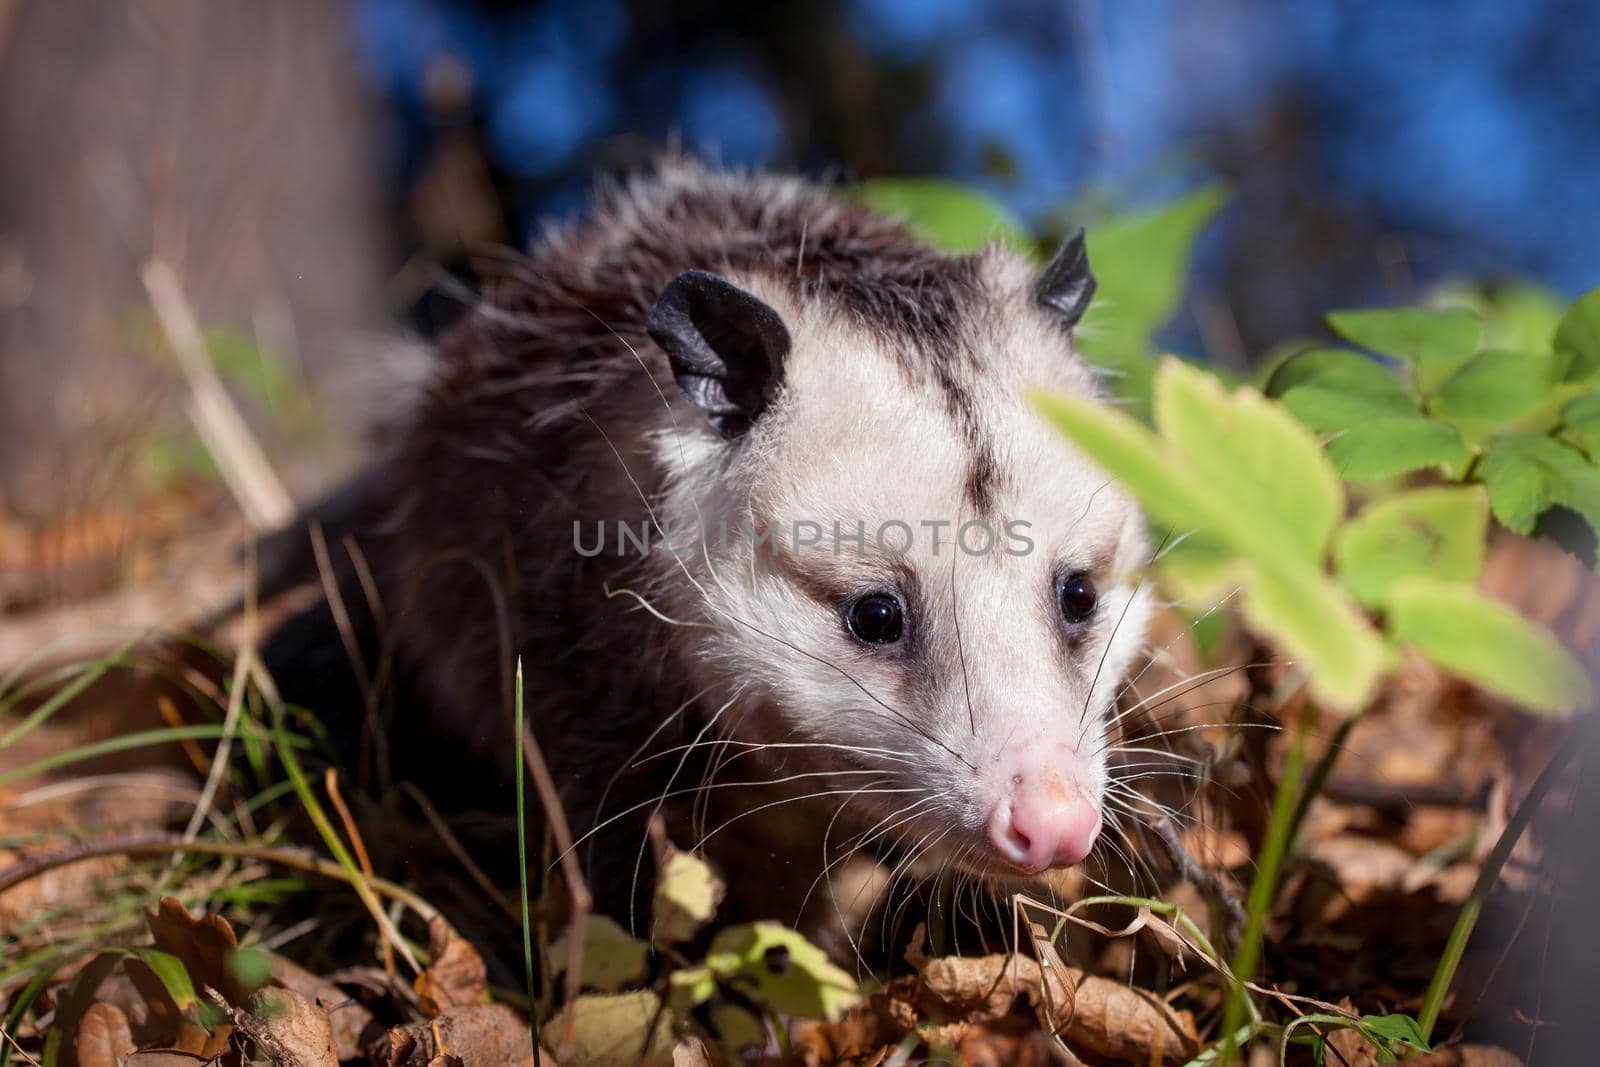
[979, 728]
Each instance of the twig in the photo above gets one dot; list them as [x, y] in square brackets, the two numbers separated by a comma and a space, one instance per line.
[255, 487]
[577, 890]
[161, 843]
[1205, 880]
[20, 1050]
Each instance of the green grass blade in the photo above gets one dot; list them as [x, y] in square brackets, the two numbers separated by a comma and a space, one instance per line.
[1488, 874]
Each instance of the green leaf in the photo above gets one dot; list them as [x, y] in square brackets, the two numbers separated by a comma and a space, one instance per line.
[1384, 447]
[1141, 264]
[1321, 627]
[170, 972]
[947, 214]
[1582, 416]
[612, 959]
[1577, 343]
[779, 968]
[1492, 386]
[1336, 389]
[613, 1030]
[1195, 567]
[689, 987]
[1487, 643]
[1251, 480]
[1422, 335]
[1254, 460]
[1390, 1030]
[1527, 474]
[686, 897]
[1127, 450]
[1436, 533]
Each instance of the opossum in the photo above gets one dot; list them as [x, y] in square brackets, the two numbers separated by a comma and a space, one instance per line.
[750, 482]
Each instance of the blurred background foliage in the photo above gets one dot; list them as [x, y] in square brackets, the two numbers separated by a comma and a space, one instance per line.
[1372, 148]
[318, 173]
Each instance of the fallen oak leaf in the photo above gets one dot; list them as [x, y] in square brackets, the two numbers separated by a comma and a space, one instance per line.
[1097, 1014]
[208, 948]
[349, 1019]
[104, 1036]
[455, 976]
[288, 1027]
[481, 1033]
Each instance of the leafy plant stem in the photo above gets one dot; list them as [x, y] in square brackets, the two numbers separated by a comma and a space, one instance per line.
[1264, 886]
[1488, 874]
[1319, 778]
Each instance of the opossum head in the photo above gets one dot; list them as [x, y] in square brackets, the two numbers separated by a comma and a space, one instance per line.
[915, 601]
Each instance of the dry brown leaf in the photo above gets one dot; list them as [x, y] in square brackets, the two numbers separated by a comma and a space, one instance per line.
[456, 977]
[205, 945]
[289, 1028]
[104, 1036]
[482, 1033]
[1353, 1049]
[1097, 1014]
[1010, 1042]
[349, 1019]
[1363, 862]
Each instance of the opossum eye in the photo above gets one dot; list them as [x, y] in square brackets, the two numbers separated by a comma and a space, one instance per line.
[876, 619]
[1078, 597]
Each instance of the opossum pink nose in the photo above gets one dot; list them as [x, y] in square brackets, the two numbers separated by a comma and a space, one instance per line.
[1037, 830]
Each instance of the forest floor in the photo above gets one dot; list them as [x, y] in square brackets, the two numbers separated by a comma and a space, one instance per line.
[175, 889]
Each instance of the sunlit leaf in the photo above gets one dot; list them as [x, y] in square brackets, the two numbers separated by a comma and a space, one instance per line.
[1422, 335]
[953, 216]
[1582, 417]
[686, 897]
[1130, 452]
[1384, 447]
[1253, 458]
[781, 969]
[1392, 1030]
[613, 1030]
[1336, 389]
[1527, 474]
[689, 987]
[1321, 628]
[1493, 385]
[1577, 342]
[612, 959]
[1244, 475]
[170, 972]
[1436, 532]
[1487, 643]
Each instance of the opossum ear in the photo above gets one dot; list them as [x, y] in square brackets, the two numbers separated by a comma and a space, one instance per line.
[1066, 285]
[726, 347]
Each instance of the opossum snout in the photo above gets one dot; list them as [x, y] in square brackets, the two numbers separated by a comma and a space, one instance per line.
[1043, 821]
